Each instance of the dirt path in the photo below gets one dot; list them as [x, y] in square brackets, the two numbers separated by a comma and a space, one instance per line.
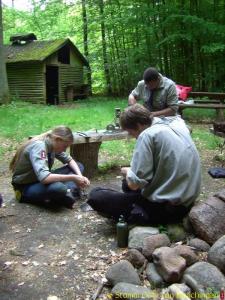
[62, 253]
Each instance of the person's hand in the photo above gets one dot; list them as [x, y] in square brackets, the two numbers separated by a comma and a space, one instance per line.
[81, 181]
[124, 171]
[86, 181]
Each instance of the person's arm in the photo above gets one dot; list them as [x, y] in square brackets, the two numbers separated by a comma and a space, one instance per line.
[39, 161]
[79, 180]
[67, 159]
[131, 100]
[172, 100]
[136, 93]
[74, 167]
[130, 184]
[141, 171]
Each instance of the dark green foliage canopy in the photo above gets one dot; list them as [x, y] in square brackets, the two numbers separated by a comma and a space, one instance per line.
[184, 39]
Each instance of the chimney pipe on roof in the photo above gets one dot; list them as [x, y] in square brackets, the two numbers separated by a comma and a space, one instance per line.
[19, 39]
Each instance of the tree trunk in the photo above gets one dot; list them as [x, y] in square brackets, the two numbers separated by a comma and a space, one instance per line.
[104, 52]
[85, 41]
[4, 89]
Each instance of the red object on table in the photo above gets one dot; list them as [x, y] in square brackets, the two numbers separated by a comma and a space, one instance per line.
[183, 91]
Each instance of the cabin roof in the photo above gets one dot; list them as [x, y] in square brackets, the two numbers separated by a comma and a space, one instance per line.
[38, 51]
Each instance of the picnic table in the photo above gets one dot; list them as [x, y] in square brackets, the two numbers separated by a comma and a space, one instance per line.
[86, 147]
[214, 101]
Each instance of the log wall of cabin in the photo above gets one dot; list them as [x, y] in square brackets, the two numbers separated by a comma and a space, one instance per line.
[69, 76]
[26, 81]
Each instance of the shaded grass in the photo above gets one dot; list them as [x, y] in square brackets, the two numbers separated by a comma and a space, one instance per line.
[199, 115]
[205, 139]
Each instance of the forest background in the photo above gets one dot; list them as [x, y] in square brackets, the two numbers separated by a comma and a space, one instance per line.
[184, 39]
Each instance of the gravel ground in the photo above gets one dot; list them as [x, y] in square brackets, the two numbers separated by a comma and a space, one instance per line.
[62, 253]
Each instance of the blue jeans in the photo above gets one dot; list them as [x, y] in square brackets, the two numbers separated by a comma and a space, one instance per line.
[55, 193]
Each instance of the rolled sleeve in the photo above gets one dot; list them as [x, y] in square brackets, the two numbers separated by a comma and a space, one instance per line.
[39, 161]
[172, 98]
[132, 177]
[63, 157]
[137, 92]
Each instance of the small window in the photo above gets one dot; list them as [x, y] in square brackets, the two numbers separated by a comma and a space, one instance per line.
[64, 55]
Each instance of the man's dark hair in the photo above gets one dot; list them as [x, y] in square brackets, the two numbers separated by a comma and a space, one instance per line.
[134, 115]
[150, 74]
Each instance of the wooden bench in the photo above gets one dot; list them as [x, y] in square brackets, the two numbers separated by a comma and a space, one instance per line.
[214, 101]
[73, 92]
[86, 147]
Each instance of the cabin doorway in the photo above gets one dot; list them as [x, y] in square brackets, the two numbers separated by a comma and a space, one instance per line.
[52, 85]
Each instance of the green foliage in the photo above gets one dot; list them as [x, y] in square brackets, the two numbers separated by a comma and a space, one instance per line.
[184, 39]
[162, 229]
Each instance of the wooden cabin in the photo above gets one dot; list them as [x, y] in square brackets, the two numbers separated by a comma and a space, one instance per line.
[51, 72]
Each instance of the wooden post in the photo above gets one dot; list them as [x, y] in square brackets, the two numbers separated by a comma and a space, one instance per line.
[219, 115]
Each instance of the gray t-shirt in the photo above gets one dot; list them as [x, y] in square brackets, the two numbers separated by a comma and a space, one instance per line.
[166, 164]
[36, 161]
[163, 97]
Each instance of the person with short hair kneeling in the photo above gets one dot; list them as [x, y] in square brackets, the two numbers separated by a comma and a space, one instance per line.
[165, 175]
[33, 180]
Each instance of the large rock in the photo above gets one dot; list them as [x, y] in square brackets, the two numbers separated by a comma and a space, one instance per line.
[216, 255]
[135, 257]
[176, 291]
[208, 219]
[169, 264]
[153, 276]
[203, 277]
[152, 242]
[221, 195]
[187, 254]
[122, 271]
[199, 245]
[137, 235]
[130, 291]
[179, 291]
[187, 225]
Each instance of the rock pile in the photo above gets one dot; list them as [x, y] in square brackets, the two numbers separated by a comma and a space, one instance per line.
[182, 271]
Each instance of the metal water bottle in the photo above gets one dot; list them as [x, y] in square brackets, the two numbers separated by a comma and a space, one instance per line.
[122, 232]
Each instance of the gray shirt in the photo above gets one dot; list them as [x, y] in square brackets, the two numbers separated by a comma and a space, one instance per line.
[163, 97]
[35, 162]
[166, 164]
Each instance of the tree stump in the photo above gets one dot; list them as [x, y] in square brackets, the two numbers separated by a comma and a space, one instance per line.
[87, 154]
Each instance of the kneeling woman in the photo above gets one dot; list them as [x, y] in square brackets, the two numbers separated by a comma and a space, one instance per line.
[33, 180]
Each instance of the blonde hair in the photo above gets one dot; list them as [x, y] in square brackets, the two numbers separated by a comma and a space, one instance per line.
[60, 132]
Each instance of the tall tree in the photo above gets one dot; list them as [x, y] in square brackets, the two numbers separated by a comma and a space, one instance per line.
[104, 49]
[4, 89]
[85, 40]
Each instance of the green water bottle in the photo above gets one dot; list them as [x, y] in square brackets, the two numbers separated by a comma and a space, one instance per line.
[122, 232]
